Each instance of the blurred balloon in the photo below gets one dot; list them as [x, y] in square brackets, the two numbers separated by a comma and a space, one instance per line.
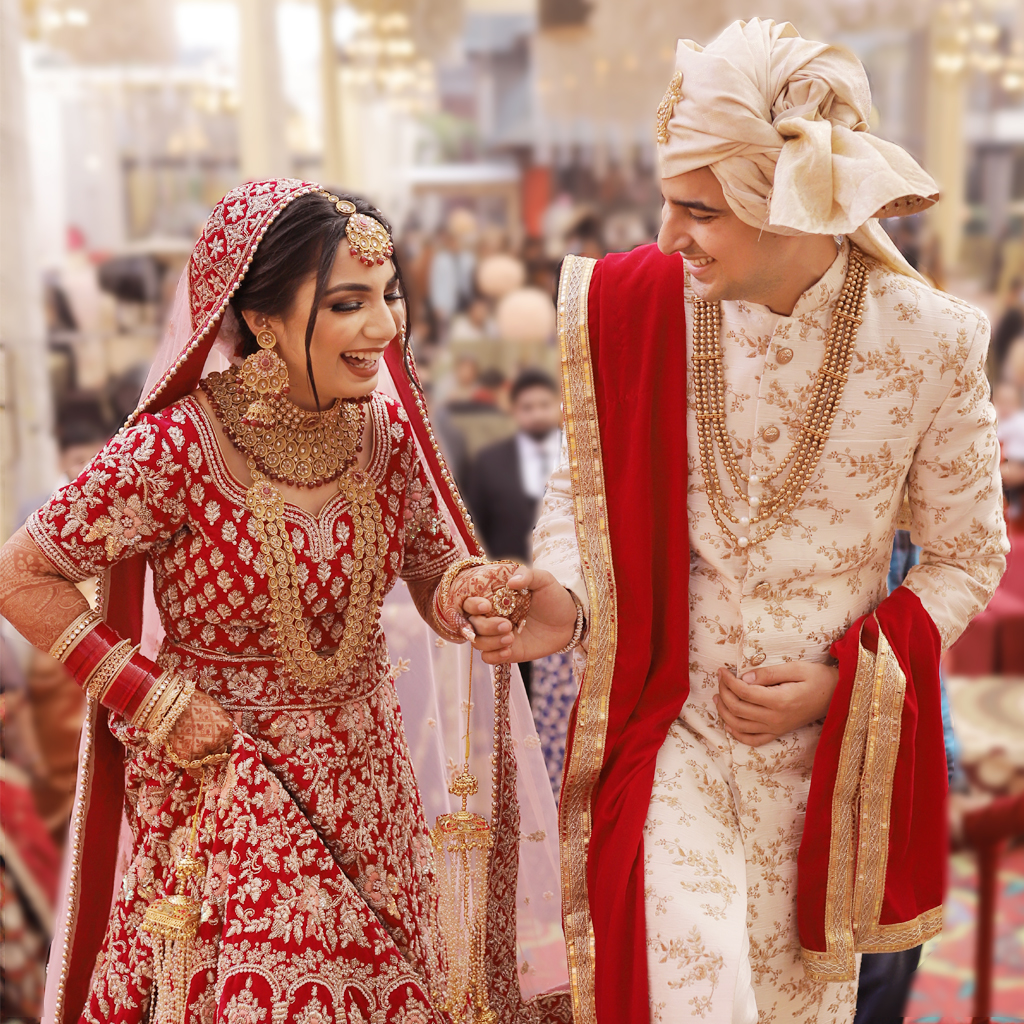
[462, 224]
[526, 315]
[500, 274]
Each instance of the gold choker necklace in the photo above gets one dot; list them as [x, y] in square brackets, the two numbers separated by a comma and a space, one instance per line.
[803, 458]
[303, 448]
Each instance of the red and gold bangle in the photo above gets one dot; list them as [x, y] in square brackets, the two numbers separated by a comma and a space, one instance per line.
[441, 624]
[92, 647]
[130, 687]
[71, 636]
[102, 676]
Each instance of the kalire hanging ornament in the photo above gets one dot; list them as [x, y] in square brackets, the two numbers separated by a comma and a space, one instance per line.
[266, 373]
[462, 844]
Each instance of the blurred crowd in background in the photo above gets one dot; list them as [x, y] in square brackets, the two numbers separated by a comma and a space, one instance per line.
[497, 136]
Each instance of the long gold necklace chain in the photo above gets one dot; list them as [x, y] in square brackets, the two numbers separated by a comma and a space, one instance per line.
[805, 454]
[369, 552]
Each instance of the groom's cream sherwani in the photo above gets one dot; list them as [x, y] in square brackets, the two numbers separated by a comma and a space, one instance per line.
[725, 819]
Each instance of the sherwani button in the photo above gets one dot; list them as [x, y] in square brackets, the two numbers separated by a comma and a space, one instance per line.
[770, 434]
[763, 591]
[784, 355]
[757, 659]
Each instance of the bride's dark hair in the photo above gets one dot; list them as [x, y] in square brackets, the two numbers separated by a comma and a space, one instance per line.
[304, 238]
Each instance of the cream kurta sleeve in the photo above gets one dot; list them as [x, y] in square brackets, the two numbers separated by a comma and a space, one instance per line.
[956, 492]
[554, 537]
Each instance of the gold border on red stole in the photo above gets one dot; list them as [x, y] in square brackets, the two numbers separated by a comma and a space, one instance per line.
[583, 439]
[859, 843]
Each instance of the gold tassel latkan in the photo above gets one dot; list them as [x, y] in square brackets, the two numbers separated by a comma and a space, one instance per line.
[462, 844]
[173, 922]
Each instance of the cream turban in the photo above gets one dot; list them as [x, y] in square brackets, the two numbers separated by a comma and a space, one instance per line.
[782, 122]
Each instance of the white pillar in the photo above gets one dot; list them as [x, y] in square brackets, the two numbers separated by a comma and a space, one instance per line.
[264, 146]
[333, 171]
[27, 448]
[946, 152]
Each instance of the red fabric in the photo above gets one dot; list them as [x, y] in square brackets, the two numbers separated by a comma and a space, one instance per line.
[638, 349]
[24, 830]
[915, 877]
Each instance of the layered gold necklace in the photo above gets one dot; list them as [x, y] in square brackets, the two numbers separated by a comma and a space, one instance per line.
[308, 449]
[713, 438]
[303, 448]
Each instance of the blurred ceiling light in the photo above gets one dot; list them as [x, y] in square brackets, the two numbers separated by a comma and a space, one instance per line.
[76, 16]
[986, 32]
[948, 63]
[1012, 81]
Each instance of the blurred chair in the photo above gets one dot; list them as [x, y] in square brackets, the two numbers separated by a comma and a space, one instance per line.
[987, 831]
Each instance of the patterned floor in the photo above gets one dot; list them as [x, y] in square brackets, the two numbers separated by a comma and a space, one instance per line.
[944, 984]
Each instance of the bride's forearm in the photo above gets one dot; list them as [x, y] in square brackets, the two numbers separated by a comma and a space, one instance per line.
[422, 592]
[34, 597]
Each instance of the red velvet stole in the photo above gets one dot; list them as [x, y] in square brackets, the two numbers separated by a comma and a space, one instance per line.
[872, 860]
[637, 340]
[101, 795]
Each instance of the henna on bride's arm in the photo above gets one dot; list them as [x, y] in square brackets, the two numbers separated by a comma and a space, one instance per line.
[422, 593]
[34, 597]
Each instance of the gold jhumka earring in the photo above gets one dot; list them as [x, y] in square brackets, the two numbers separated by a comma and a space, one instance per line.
[173, 921]
[266, 373]
[462, 844]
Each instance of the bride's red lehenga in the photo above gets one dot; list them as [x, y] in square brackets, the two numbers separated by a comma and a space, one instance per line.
[315, 866]
[329, 921]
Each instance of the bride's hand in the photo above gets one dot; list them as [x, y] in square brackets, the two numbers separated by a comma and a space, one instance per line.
[548, 626]
[203, 728]
[478, 581]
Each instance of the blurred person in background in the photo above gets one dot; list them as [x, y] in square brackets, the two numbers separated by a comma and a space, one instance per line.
[507, 479]
[1008, 328]
[474, 323]
[29, 858]
[273, 659]
[743, 813]
[1006, 398]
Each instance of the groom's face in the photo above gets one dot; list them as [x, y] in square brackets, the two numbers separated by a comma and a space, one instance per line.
[727, 258]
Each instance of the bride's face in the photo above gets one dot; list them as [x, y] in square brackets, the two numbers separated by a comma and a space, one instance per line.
[359, 313]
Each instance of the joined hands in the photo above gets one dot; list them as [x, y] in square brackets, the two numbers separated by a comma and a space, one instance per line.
[547, 628]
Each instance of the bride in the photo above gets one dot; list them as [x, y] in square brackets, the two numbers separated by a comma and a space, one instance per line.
[276, 864]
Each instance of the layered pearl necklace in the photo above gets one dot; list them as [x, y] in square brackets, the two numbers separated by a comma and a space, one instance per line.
[803, 458]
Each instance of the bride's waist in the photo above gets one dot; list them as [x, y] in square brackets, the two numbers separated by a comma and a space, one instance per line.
[243, 681]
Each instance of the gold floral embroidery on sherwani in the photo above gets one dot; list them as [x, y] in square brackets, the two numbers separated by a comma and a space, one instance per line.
[725, 819]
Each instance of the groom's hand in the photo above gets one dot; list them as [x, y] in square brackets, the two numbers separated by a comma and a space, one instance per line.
[767, 703]
[547, 628]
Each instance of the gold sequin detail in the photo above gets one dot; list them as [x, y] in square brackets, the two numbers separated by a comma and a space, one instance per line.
[673, 94]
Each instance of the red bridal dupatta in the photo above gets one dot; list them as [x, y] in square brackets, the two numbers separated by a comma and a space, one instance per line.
[98, 841]
[622, 334]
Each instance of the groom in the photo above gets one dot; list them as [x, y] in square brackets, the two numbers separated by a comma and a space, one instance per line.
[750, 701]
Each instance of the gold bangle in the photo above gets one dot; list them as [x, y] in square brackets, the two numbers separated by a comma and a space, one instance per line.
[581, 625]
[70, 638]
[155, 692]
[158, 736]
[163, 702]
[100, 678]
[451, 572]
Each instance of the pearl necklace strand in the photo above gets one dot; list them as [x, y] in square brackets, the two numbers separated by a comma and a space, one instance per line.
[804, 456]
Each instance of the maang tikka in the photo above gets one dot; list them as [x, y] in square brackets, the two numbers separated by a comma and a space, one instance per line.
[266, 373]
[368, 239]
